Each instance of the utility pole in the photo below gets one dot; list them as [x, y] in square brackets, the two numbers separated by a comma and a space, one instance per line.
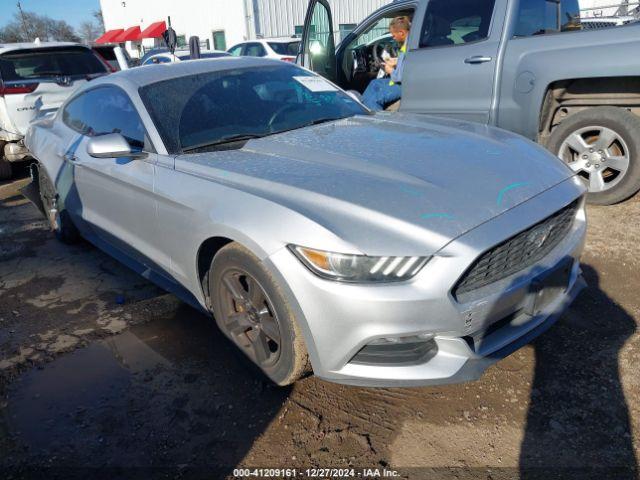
[24, 22]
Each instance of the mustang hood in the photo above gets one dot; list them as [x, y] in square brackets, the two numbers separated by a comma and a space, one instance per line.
[373, 181]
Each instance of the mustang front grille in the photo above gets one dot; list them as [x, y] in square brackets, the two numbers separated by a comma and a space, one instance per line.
[519, 252]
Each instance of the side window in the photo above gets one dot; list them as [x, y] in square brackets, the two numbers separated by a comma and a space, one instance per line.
[538, 17]
[319, 48]
[156, 60]
[456, 22]
[236, 51]
[254, 50]
[219, 40]
[105, 110]
[376, 31]
[73, 114]
[346, 29]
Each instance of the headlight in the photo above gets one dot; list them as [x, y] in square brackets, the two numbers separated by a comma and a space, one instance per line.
[359, 268]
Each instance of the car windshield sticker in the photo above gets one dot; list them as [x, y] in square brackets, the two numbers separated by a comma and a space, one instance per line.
[315, 84]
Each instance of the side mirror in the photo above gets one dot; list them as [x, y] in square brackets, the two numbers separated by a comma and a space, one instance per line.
[112, 145]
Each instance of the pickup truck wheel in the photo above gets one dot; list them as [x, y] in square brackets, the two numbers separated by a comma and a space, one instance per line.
[251, 310]
[602, 145]
[5, 169]
[59, 220]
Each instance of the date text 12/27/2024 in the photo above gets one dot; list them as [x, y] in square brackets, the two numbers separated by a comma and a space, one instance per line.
[364, 473]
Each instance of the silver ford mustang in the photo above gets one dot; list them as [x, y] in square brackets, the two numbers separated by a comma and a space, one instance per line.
[375, 250]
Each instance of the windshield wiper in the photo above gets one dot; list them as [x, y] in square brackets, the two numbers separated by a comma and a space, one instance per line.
[223, 141]
[324, 120]
[311, 124]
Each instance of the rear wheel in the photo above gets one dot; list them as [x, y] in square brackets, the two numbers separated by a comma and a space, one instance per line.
[602, 145]
[253, 313]
[58, 217]
[5, 169]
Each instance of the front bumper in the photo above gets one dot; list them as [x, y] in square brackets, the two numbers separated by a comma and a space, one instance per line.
[340, 320]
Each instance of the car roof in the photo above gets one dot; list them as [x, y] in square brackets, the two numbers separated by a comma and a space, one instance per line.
[281, 40]
[10, 47]
[270, 40]
[178, 53]
[148, 74]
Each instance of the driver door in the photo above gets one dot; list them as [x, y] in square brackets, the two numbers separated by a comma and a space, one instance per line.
[453, 57]
[318, 43]
[115, 195]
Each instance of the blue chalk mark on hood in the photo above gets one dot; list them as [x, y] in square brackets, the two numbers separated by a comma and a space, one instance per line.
[428, 216]
[505, 190]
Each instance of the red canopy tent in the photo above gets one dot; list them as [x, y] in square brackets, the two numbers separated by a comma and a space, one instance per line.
[109, 36]
[155, 30]
[130, 34]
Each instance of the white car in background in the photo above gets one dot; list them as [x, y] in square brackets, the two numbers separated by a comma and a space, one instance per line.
[180, 56]
[36, 78]
[285, 49]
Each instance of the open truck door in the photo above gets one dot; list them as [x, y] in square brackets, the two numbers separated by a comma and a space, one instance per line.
[318, 50]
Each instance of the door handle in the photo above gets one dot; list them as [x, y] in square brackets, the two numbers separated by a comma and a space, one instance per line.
[478, 59]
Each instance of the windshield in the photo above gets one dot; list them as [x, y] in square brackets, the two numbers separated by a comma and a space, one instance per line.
[33, 64]
[282, 48]
[200, 112]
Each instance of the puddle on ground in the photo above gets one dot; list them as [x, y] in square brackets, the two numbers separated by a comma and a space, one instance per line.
[173, 390]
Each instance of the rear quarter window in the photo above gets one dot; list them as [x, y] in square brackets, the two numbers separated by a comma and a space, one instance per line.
[540, 17]
[282, 48]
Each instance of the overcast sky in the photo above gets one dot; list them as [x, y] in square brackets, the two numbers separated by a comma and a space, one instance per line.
[73, 12]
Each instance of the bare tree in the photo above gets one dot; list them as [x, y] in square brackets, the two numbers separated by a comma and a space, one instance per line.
[88, 31]
[27, 26]
[99, 19]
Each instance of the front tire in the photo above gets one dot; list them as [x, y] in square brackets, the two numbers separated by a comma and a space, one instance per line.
[251, 310]
[59, 219]
[602, 145]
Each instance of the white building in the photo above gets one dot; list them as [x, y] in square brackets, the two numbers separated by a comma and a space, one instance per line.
[220, 24]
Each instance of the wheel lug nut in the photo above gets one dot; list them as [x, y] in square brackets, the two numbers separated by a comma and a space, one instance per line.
[597, 165]
[588, 164]
[591, 150]
[585, 156]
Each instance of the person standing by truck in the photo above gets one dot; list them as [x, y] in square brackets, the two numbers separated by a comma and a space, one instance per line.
[385, 91]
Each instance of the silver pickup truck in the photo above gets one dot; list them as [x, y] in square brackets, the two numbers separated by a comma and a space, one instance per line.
[527, 66]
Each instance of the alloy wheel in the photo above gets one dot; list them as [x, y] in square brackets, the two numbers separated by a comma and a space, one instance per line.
[597, 154]
[249, 318]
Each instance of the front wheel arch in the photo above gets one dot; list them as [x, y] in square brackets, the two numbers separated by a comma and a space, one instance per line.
[206, 252]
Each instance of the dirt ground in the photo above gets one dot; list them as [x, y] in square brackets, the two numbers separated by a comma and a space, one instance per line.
[100, 371]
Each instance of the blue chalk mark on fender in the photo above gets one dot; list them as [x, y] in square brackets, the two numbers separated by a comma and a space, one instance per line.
[505, 190]
[429, 216]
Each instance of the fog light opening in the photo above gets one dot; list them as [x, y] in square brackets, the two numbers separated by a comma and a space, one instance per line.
[398, 351]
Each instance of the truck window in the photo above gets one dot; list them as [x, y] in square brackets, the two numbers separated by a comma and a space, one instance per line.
[456, 22]
[538, 17]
